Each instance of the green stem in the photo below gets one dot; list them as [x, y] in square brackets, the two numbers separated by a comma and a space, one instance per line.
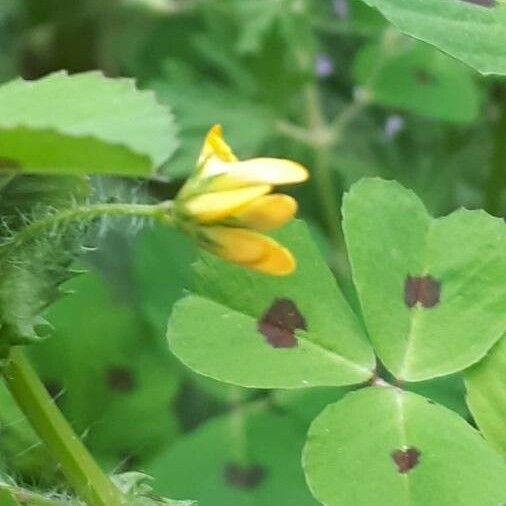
[160, 212]
[238, 428]
[322, 173]
[84, 475]
[496, 184]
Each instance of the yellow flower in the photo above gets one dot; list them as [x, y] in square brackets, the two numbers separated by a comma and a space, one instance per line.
[226, 201]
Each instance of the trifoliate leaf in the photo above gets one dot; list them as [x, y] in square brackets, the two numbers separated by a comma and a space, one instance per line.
[381, 445]
[432, 291]
[245, 458]
[110, 380]
[262, 331]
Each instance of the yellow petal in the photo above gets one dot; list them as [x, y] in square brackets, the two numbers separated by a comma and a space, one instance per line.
[272, 171]
[215, 147]
[267, 212]
[279, 261]
[210, 207]
[251, 250]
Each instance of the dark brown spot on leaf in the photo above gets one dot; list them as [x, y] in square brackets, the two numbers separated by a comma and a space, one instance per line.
[120, 379]
[279, 322]
[482, 3]
[423, 77]
[241, 476]
[406, 459]
[423, 289]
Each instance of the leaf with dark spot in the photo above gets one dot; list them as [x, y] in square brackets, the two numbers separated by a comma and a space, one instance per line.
[406, 459]
[423, 77]
[279, 322]
[246, 477]
[120, 379]
[423, 289]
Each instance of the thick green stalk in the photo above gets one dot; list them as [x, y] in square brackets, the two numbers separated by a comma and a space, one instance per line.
[496, 184]
[89, 482]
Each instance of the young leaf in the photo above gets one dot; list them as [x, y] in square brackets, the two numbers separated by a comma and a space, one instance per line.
[473, 31]
[486, 389]
[260, 331]
[83, 124]
[432, 291]
[31, 271]
[231, 462]
[420, 79]
[381, 445]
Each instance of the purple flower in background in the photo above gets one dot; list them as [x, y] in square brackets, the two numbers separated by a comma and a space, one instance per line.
[323, 66]
[341, 8]
[394, 124]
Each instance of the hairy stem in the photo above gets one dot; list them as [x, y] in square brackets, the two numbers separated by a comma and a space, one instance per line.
[89, 482]
[159, 212]
[20, 496]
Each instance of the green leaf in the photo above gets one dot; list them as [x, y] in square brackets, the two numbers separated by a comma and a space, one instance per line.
[230, 462]
[473, 31]
[449, 391]
[83, 124]
[109, 380]
[458, 264]
[7, 499]
[305, 404]
[381, 445]
[218, 333]
[486, 387]
[161, 269]
[419, 79]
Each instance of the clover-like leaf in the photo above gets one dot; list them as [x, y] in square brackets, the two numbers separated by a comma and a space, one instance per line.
[473, 31]
[229, 461]
[82, 124]
[486, 395]
[98, 385]
[432, 291]
[381, 445]
[420, 79]
[261, 331]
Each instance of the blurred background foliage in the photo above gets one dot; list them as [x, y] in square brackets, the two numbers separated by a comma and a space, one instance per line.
[328, 83]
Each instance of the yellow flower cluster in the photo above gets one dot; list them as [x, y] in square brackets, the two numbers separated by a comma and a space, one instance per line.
[226, 201]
